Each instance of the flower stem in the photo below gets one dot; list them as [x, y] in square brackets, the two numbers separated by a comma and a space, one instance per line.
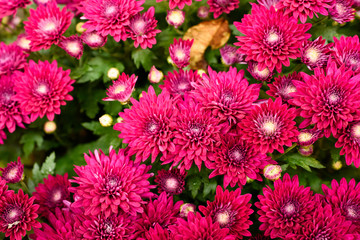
[286, 151]
[24, 187]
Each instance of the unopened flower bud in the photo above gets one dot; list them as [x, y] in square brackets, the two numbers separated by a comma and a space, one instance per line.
[337, 165]
[155, 76]
[170, 61]
[307, 137]
[113, 73]
[49, 127]
[306, 150]
[119, 119]
[186, 208]
[249, 180]
[175, 17]
[140, 95]
[79, 27]
[203, 12]
[272, 172]
[106, 120]
[200, 72]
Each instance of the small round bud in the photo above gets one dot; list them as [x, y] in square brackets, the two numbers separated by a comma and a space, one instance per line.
[49, 127]
[119, 120]
[200, 72]
[79, 27]
[306, 150]
[272, 172]
[337, 165]
[113, 73]
[170, 61]
[175, 17]
[140, 95]
[106, 120]
[203, 12]
[155, 76]
[186, 208]
[249, 180]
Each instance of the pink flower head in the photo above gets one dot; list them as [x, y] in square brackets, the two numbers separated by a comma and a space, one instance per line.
[286, 208]
[121, 89]
[231, 210]
[268, 3]
[17, 215]
[51, 194]
[219, 7]
[42, 89]
[271, 37]
[349, 140]
[110, 184]
[342, 11]
[170, 181]
[347, 51]
[175, 17]
[269, 127]
[93, 39]
[146, 125]
[186, 208]
[228, 95]
[180, 52]
[229, 56]
[72, 45]
[9, 7]
[203, 12]
[315, 53]
[178, 3]
[263, 75]
[307, 137]
[283, 86]
[11, 115]
[237, 160]
[198, 227]
[142, 30]
[345, 196]
[12, 58]
[13, 172]
[272, 172]
[110, 16]
[329, 99]
[46, 25]
[155, 75]
[23, 42]
[162, 211]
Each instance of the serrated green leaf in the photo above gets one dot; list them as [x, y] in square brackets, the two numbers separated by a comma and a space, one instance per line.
[36, 174]
[29, 139]
[143, 57]
[96, 127]
[210, 187]
[194, 184]
[302, 161]
[48, 167]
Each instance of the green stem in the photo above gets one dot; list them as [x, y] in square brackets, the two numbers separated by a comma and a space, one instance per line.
[24, 187]
[286, 151]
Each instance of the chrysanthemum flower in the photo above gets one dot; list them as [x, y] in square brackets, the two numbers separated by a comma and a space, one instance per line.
[347, 51]
[269, 127]
[72, 45]
[263, 75]
[121, 89]
[272, 172]
[93, 39]
[42, 89]
[46, 25]
[342, 11]
[178, 3]
[228, 95]
[170, 181]
[161, 211]
[155, 75]
[203, 12]
[186, 208]
[23, 42]
[110, 184]
[52, 193]
[196, 133]
[286, 208]
[13, 172]
[157, 233]
[9, 7]
[349, 140]
[237, 160]
[142, 30]
[12, 58]
[110, 16]
[346, 198]
[271, 37]
[180, 52]
[229, 56]
[145, 126]
[17, 215]
[219, 7]
[328, 98]
[175, 17]
[10, 113]
[231, 210]
[307, 137]
[283, 86]
[268, 3]
[198, 227]
[315, 53]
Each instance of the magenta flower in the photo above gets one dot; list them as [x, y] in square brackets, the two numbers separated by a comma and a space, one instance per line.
[93, 39]
[13, 172]
[347, 52]
[307, 137]
[170, 181]
[46, 25]
[158, 233]
[349, 140]
[178, 3]
[315, 53]
[12, 58]
[175, 17]
[180, 52]
[283, 86]
[110, 16]
[219, 7]
[263, 75]
[121, 89]
[342, 11]
[271, 37]
[268, 3]
[42, 89]
[10, 7]
[229, 56]
[72, 45]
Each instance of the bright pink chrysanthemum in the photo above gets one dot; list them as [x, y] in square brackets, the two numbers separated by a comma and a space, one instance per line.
[307, 137]
[13, 172]
[170, 181]
[229, 55]
[315, 53]
[347, 51]
[52, 193]
[346, 198]
[178, 3]
[46, 25]
[121, 89]
[271, 37]
[302, 10]
[93, 39]
[263, 75]
[145, 126]
[142, 30]
[269, 126]
[268, 3]
[180, 52]
[175, 17]
[17, 215]
[110, 16]
[342, 11]
[196, 133]
[329, 98]
[9, 7]
[286, 208]
[237, 160]
[23, 42]
[162, 211]
[349, 140]
[72, 45]
[231, 210]
[61, 227]
[283, 86]
[10, 113]
[12, 58]
[219, 7]
[157, 233]
[228, 95]
[110, 184]
[42, 89]
[198, 227]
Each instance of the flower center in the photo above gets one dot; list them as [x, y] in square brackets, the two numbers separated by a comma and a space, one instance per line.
[305, 137]
[42, 89]
[353, 60]
[236, 154]
[180, 54]
[269, 128]
[223, 218]
[12, 215]
[94, 38]
[289, 209]
[312, 54]
[272, 39]
[263, 73]
[196, 129]
[111, 184]
[73, 47]
[352, 212]
[57, 196]
[333, 98]
[48, 25]
[6, 97]
[355, 131]
[12, 173]
[110, 11]
[119, 88]
[340, 8]
[171, 184]
[139, 26]
[183, 86]
[152, 127]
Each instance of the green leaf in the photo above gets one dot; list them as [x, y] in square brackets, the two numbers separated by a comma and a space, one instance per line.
[29, 139]
[210, 187]
[143, 57]
[36, 174]
[96, 127]
[302, 161]
[335, 154]
[48, 166]
[194, 184]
